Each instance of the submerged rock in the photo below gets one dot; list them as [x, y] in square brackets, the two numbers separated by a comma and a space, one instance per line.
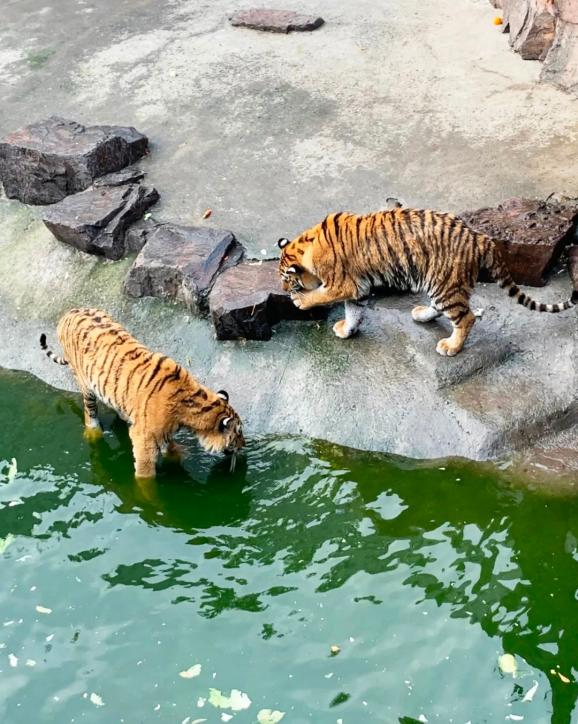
[179, 262]
[46, 161]
[530, 233]
[248, 300]
[95, 221]
[275, 21]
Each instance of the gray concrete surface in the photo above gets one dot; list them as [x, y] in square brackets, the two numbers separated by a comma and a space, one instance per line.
[422, 101]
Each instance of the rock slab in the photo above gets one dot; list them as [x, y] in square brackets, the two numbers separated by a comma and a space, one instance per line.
[561, 64]
[248, 300]
[46, 161]
[179, 262]
[532, 27]
[530, 233]
[96, 220]
[275, 21]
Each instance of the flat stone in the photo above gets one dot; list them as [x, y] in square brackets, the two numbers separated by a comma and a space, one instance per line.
[49, 160]
[275, 21]
[248, 300]
[179, 262]
[95, 221]
[532, 27]
[530, 233]
[130, 175]
[561, 64]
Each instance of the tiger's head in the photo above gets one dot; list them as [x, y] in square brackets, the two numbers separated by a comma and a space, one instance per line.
[222, 430]
[295, 276]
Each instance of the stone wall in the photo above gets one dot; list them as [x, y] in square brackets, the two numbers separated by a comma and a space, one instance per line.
[545, 30]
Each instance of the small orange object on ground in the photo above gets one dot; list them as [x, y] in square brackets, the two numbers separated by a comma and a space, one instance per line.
[498, 20]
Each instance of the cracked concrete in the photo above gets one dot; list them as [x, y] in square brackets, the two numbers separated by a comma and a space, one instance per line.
[424, 102]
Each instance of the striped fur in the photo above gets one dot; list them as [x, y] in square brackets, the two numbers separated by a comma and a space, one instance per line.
[345, 256]
[154, 394]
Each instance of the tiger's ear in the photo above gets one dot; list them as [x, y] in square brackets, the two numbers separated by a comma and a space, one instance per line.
[223, 394]
[282, 243]
[224, 424]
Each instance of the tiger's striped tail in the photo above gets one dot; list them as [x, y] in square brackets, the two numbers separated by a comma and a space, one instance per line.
[495, 264]
[49, 353]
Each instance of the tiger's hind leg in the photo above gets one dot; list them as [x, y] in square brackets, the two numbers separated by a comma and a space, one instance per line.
[422, 313]
[462, 319]
[354, 312]
[92, 428]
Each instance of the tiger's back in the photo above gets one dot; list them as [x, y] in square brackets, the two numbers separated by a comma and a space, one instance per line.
[346, 255]
[111, 363]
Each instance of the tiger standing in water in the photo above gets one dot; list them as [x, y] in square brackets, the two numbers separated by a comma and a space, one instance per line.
[151, 392]
[345, 256]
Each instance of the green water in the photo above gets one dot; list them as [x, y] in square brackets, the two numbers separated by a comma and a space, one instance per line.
[422, 576]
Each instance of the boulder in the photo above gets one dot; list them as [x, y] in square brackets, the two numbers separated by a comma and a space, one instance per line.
[49, 160]
[95, 221]
[530, 233]
[532, 27]
[561, 64]
[275, 21]
[248, 300]
[179, 262]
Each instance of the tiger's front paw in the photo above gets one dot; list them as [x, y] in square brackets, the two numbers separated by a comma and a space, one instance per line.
[298, 299]
[92, 434]
[342, 330]
[446, 348]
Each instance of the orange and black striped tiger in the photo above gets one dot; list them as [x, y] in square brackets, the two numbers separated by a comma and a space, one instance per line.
[151, 392]
[345, 256]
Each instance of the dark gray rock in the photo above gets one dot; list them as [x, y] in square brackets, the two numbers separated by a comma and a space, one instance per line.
[275, 21]
[131, 175]
[179, 262]
[530, 233]
[96, 220]
[49, 160]
[248, 300]
[573, 265]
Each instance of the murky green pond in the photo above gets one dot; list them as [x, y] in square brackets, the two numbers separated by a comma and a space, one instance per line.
[422, 576]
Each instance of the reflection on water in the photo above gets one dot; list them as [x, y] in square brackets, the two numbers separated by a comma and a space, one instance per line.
[423, 575]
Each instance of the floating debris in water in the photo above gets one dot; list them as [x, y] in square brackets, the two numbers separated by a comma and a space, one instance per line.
[30, 662]
[507, 664]
[96, 699]
[191, 672]
[270, 716]
[237, 700]
[529, 695]
[13, 660]
[201, 701]
[43, 609]
[335, 649]
[5, 542]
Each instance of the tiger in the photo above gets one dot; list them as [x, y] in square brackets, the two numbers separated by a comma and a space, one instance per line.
[345, 256]
[150, 391]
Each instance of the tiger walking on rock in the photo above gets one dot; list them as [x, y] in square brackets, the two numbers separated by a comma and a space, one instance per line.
[151, 392]
[346, 255]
